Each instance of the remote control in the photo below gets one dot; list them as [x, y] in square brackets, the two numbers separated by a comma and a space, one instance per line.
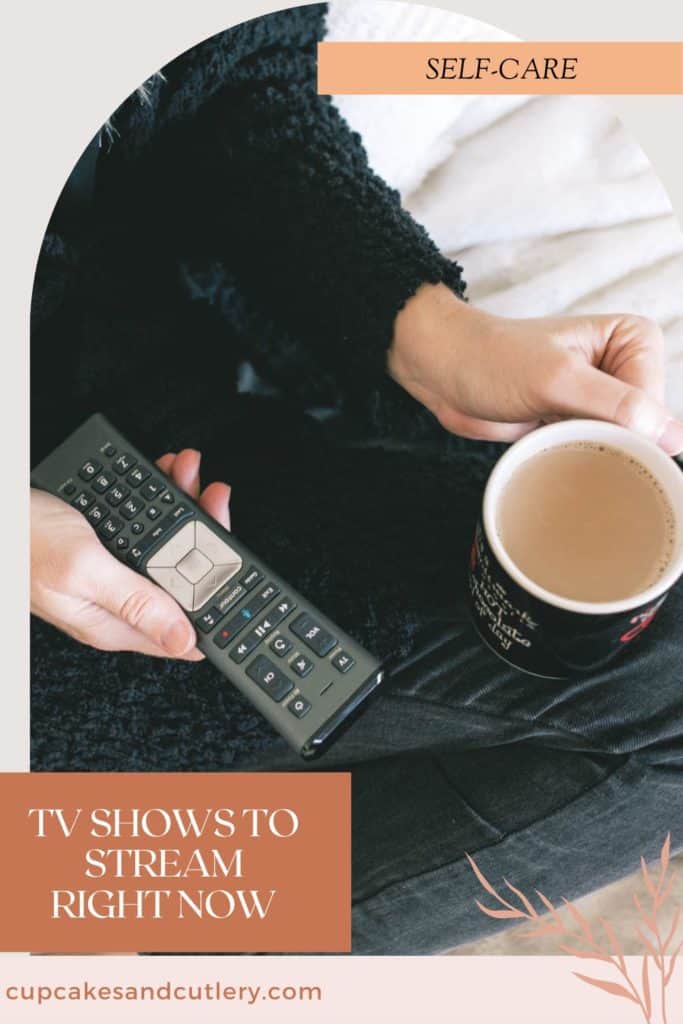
[299, 669]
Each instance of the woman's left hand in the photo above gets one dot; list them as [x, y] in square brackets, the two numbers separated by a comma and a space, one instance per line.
[183, 470]
[79, 586]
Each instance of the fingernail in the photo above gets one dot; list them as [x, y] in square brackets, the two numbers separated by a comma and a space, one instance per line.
[177, 637]
[671, 438]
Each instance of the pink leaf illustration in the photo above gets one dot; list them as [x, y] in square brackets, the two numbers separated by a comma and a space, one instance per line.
[672, 963]
[672, 930]
[648, 946]
[666, 853]
[575, 936]
[616, 946]
[582, 954]
[663, 897]
[647, 998]
[580, 920]
[545, 901]
[644, 916]
[498, 913]
[607, 986]
[649, 884]
[484, 882]
[523, 899]
[553, 910]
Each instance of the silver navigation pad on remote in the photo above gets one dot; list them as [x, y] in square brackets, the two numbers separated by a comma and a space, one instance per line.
[193, 565]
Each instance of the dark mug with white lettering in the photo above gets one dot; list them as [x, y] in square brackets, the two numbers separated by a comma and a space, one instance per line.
[541, 632]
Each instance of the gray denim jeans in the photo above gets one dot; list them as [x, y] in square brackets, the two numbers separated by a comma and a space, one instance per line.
[556, 786]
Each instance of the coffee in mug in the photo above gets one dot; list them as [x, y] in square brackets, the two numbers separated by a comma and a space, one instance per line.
[587, 521]
[580, 540]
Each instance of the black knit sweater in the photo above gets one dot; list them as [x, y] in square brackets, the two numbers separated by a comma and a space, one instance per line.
[234, 189]
[234, 220]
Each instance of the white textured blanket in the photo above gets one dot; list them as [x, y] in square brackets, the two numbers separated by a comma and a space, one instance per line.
[548, 203]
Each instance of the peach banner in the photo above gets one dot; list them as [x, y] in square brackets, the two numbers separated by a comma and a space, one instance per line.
[504, 67]
[256, 862]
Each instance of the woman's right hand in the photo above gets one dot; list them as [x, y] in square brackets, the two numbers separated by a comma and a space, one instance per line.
[80, 587]
[496, 378]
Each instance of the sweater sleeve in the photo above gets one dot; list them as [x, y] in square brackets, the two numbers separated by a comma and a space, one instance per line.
[321, 238]
[267, 176]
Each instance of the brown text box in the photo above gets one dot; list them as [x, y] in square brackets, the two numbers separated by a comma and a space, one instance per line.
[306, 865]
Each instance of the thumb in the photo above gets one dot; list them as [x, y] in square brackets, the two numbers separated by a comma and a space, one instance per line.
[596, 394]
[141, 604]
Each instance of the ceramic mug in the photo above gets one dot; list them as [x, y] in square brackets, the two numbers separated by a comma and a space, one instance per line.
[530, 627]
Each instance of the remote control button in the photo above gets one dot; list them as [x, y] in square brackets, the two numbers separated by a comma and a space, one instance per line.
[109, 450]
[281, 646]
[83, 501]
[138, 552]
[229, 599]
[175, 585]
[167, 498]
[203, 575]
[123, 463]
[110, 527]
[153, 512]
[180, 512]
[168, 523]
[137, 476]
[175, 548]
[251, 578]
[302, 665]
[258, 603]
[89, 469]
[194, 566]
[281, 610]
[132, 507]
[269, 678]
[313, 635]
[121, 544]
[116, 495]
[96, 513]
[153, 536]
[208, 620]
[299, 706]
[182, 556]
[229, 631]
[343, 661]
[103, 482]
[246, 645]
[152, 489]
[135, 556]
[264, 627]
[137, 528]
[69, 488]
[217, 577]
[215, 548]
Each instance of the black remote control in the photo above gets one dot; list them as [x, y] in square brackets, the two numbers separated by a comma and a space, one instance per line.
[302, 672]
